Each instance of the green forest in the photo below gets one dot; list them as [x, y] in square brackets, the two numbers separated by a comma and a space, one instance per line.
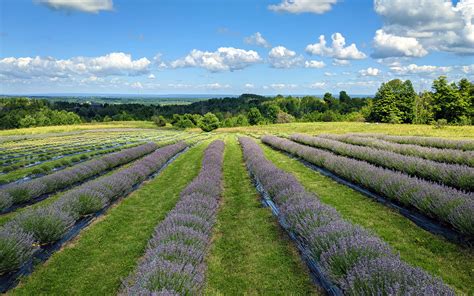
[395, 102]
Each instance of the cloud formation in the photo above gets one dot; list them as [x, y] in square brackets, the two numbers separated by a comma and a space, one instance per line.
[427, 25]
[257, 39]
[369, 72]
[338, 50]
[420, 70]
[223, 59]
[283, 58]
[314, 64]
[300, 6]
[89, 6]
[116, 63]
[388, 45]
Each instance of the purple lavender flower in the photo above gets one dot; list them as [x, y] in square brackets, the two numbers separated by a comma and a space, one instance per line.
[434, 200]
[16, 247]
[336, 244]
[174, 261]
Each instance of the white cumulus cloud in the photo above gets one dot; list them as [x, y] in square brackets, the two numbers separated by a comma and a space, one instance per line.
[89, 6]
[249, 85]
[369, 72]
[388, 45]
[116, 63]
[435, 24]
[257, 39]
[318, 85]
[420, 69]
[338, 50]
[224, 59]
[300, 6]
[314, 64]
[281, 86]
[282, 57]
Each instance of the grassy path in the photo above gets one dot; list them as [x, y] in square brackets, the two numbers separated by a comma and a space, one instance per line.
[107, 251]
[250, 254]
[416, 246]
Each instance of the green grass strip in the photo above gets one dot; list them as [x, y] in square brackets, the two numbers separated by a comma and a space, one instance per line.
[250, 254]
[454, 264]
[109, 250]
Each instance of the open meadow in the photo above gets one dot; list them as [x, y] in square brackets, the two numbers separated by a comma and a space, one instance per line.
[301, 209]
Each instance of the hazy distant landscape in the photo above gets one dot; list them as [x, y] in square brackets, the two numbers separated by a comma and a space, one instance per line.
[277, 147]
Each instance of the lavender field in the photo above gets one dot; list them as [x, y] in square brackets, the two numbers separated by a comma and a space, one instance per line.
[176, 212]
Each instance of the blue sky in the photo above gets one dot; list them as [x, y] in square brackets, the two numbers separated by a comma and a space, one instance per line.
[231, 46]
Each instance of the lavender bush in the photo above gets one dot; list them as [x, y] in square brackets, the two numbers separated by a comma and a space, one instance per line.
[458, 176]
[49, 224]
[23, 192]
[442, 143]
[341, 248]
[45, 224]
[16, 247]
[437, 201]
[173, 263]
[437, 154]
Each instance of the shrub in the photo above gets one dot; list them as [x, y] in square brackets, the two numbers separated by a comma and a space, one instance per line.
[159, 120]
[6, 200]
[337, 246]
[45, 224]
[209, 122]
[441, 123]
[16, 247]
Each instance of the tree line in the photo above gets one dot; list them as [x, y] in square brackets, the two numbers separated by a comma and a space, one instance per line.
[395, 102]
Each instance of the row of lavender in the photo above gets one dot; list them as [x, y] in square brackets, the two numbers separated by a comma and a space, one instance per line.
[458, 176]
[465, 145]
[445, 155]
[174, 260]
[443, 203]
[49, 224]
[354, 259]
[24, 192]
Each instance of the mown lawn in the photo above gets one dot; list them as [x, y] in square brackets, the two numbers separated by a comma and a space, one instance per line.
[250, 255]
[418, 247]
[355, 127]
[109, 250]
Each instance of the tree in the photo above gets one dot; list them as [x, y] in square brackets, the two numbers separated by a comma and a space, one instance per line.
[449, 101]
[209, 122]
[423, 112]
[384, 108]
[159, 120]
[394, 102]
[27, 121]
[344, 97]
[283, 117]
[254, 116]
[184, 123]
[271, 111]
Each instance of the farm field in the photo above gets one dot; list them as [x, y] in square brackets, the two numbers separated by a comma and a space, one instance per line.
[302, 209]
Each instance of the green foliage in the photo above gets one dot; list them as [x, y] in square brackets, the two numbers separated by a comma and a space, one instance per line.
[254, 116]
[441, 123]
[209, 122]
[184, 123]
[159, 120]
[283, 117]
[451, 102]
[394, 102]
[423, 112]
[344, 97]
